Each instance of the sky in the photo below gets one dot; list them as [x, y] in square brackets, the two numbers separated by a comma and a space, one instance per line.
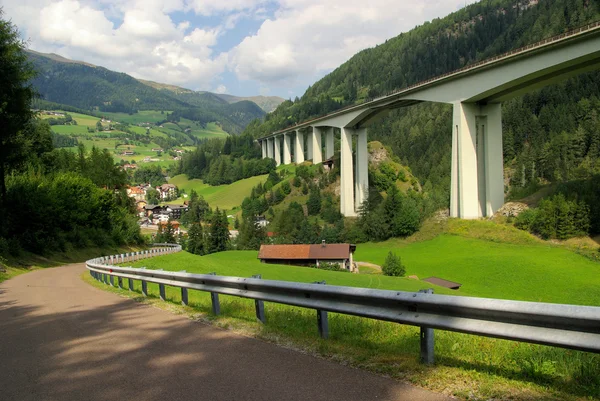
[239, 47]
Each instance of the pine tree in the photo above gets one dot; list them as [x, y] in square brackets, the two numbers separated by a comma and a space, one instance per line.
[218, 239]
[314, 202]
[196, 240]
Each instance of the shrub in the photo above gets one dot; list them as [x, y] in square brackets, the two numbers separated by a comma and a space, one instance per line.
[393, 265]
[330, 266]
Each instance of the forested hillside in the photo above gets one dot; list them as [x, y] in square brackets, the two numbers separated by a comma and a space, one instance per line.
[97, 89]
[550, 135]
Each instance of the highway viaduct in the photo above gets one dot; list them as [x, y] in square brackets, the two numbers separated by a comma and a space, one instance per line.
[476, 93]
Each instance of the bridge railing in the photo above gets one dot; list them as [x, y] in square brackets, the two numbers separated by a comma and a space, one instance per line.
[577, 31]
[567, 326]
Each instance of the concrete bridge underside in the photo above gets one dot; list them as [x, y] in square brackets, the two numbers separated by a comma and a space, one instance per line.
[476, 93]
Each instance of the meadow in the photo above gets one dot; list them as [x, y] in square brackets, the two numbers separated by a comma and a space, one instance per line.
[144, 116]
[467, 367]
[536, 272]
[222, 196]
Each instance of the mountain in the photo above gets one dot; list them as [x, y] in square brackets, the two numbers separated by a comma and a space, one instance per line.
[97, 89]
[267, 103]
[551, 135]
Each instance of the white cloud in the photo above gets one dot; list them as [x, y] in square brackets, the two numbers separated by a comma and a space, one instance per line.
[310, 37]
[213, 7]
[221, 89]
[145, 42]
[296, 44]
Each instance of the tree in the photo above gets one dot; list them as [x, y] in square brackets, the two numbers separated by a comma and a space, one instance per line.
[196, 241]
[218, 239]
[99, 126]
[165, 234]
[152, 196]
[393, 265]
[314, 201]
[16, 93]
[251, 235]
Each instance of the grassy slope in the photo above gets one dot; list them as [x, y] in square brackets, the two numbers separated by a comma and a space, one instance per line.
[500, 262]
[222, 196]
[534, 272]
[246, 264]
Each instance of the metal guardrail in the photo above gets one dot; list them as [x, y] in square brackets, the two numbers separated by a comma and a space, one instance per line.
[567, 326]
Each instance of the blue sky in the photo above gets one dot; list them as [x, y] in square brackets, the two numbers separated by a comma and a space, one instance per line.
[240, 47]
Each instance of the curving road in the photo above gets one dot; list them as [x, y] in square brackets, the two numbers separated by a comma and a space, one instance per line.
[61, 339]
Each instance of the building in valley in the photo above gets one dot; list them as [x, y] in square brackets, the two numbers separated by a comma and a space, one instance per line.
[308, 255]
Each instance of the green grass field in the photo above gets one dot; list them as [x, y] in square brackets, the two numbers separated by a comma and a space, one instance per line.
[144, 116]
[535, 272]
[222, 196]
[468, 367]
[70, 129]
[212, 130]
[82, 119]
[245, 264]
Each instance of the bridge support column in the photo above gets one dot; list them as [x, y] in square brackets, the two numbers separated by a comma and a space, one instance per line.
[277, 150]
[299, 147]
[287, 156]
[329, 143]
[263, 149]
[317, 147]
[309, 145]
[362, 168]
[477, 188]
[270, 148]
[347, 174]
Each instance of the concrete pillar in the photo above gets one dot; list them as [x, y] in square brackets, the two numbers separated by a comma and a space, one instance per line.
[287, 155]
[329, 143]
[317, 147]
[299, 147]
[277, 150]
[362, 168]
[263, 148]
[270, 148]
[347, 174]
[477, 187]
[493, 160]
[309, 145]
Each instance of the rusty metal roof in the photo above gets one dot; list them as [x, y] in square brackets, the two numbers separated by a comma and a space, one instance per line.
[443, 283]
[319, 251]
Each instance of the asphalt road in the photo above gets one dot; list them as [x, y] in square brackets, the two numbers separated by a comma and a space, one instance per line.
[61, 339]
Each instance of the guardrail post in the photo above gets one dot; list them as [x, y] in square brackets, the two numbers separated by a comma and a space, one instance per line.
[184, 294]
[214, 297]
[427, 339]
[130, 284]
[322, 319]
[120, 282]
[112, 280]
[144, 286]
[259, 305]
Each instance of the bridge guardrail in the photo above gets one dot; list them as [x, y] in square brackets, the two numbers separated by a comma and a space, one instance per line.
[548, 41]
[567, 326]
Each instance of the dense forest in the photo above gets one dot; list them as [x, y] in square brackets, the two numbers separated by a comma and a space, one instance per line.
[94, 89]
[551, 135]
[220, 161]
[52, 199]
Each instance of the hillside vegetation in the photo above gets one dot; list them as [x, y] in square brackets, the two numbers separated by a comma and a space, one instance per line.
[551, 135]
[503, 263]
[222, 196]
[97, 89]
